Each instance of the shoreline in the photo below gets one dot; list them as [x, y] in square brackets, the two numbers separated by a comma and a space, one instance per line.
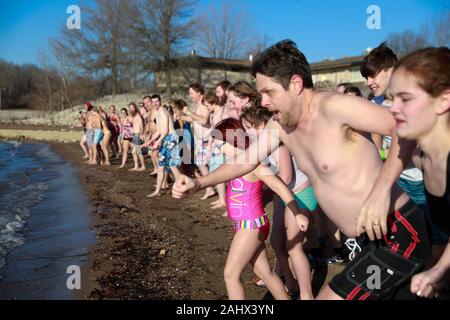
[57, 230]
[154, 249]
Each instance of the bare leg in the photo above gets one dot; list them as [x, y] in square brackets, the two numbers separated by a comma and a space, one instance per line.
[83, 146]
[299, 260]
[243, 247]
[154, 156]
[119, 145]
[159, 181]
[142, 161]
[95, 155]
[135, 159]
[209, 191]
[247, 246]
[105, 144]
[278, 242]
[126, 147]
[220, 203]
[262, 269]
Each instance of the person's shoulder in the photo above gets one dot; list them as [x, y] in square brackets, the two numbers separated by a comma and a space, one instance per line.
[328, 99]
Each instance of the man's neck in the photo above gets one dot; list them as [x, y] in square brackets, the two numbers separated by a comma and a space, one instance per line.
[306, 103]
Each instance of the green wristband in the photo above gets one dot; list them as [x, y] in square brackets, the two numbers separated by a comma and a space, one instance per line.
[382, 154]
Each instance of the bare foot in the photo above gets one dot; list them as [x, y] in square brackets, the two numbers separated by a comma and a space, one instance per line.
[219, 205]
[85, 157]
[134, 169]
[141, 169]
[214, 202]
[208, 194]
[121, 167]
[154, 194]
[154, 173]
[225, 214]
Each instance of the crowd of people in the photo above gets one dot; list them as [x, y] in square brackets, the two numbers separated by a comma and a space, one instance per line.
[368, 174]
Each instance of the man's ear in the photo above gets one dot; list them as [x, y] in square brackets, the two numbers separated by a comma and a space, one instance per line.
[297, 84]
[444, 102]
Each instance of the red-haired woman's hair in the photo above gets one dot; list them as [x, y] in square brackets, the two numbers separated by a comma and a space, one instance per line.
[430, 67]
[232, 131]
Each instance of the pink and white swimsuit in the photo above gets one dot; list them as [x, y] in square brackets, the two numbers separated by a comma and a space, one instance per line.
[245, 205]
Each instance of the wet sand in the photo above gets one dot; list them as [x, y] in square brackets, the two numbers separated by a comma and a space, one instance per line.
[151, 248]
[159, 248]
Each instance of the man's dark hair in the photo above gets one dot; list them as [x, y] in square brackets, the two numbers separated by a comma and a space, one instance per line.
[282, 61]
[197, 87]
[225, 84]
[354, 90]
[147, 97]
[380, 58]
[156, 96]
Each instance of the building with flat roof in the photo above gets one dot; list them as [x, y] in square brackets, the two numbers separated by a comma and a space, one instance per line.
[209, 71]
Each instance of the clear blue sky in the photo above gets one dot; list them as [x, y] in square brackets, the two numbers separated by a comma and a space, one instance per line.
[323, 28]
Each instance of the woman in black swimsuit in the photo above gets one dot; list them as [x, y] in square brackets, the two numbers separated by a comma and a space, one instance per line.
[421, 89]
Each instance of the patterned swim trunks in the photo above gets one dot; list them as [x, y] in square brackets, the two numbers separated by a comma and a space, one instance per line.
[169, 152]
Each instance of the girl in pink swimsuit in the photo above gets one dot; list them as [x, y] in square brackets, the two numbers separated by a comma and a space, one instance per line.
[250, 223]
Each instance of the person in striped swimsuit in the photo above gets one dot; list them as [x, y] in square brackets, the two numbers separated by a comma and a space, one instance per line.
[250, 223]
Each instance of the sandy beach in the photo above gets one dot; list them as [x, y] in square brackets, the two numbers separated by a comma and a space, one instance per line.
[158, 248]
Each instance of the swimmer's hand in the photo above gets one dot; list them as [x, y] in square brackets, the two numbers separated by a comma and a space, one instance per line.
[373, 214]
[184, 186]
[428, 283]
[302, 222]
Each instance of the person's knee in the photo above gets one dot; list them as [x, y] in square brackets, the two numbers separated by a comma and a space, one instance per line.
[230, 275]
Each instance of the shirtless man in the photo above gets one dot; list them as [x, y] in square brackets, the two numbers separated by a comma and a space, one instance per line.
[138, 130]
[199, 118]
[320, 129]
[165, 140]
[95, 124]
[151, 103]
[89, 132]
[83, 142]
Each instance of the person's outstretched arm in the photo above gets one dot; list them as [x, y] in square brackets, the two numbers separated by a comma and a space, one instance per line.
[244, 162]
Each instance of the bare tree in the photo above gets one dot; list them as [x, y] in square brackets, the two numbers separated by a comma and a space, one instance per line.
[98, 48]
[439, 30]
[434, 33]
[260, 43]
[407, 41]
[225, 31]
[159, 30]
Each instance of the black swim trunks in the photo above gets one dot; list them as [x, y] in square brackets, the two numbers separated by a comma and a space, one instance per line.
[383, 269]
